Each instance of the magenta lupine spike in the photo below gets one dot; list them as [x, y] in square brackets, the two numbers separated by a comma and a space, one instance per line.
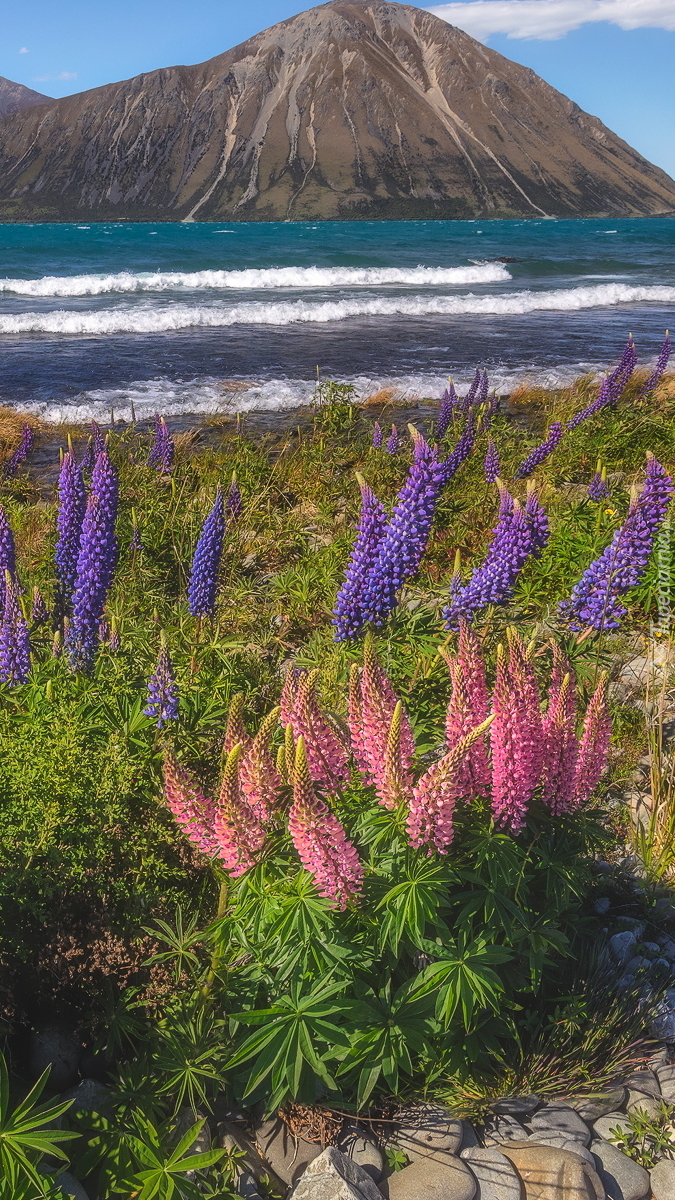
[240, 834]
[327, 756]
[235, 730]
[594, 746]
[393, 781]
[14, 638]
[72, 506]
[661, 364]
[492, 463]
[540, 452]
[355, 721]
[378, 702]
[320, 840]
[513, 753]
[377, 436]
[393, 441]
[348, 615]
[560, 748]
[260, 782]
[432, 807]
[469, 707]
[528, 701]
[191, 809]
[289, 694]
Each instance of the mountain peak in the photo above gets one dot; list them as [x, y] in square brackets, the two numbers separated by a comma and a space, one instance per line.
[356, 108]
[14, 97]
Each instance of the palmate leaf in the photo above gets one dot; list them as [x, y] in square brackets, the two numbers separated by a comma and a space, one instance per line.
[390, 1028]
[24, 1140]
[411, 906]
[463, 980]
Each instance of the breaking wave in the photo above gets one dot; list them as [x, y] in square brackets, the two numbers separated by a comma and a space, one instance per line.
[255, 279]
[148, 318]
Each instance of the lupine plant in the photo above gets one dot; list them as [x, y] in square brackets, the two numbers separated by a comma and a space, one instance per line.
[96, 563]
[206, 561]
[19, 455]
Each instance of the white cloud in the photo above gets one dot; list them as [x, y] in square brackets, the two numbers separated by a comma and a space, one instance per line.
[51, 78]
[23, 50]
[550, 19]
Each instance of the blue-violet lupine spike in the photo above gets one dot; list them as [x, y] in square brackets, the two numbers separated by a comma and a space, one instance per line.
[483, 388]
[377, 436]
[610, 388]
[136, 543]
[405, 538]
[446, 411]
[72, 505]
[393, 441]
[88, 459]
[39, 612]
[7, 548]
[538, 521]
[22, 451]
[473, 388]
[99, 440]
[234, 504]
[597, 488]
[595, 600]
[491, 465]
[541, 452]
[348, 616]
[206, 561]
[167, 450]
[14, 639]
[661, 364]
[518, 534]
[461, 451]
[162, 702]
[95, 566]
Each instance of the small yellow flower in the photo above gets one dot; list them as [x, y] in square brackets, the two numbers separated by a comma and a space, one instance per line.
[609, 512]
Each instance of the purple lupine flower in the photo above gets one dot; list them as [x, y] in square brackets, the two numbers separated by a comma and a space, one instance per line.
[22, 451]
[519, 532]
[14, 639]
[99, 441]
[405, 538]
[595, 598]
[348, 616]
[473, 388]
[611, 386]
[7, 549]
[597, 488]
[461, 451]
[661, 364]
[233, 503]
[393, 441]
[88, 458]
[95, 565]
[446, 411]
[204, 574]
[72, 505]
[162, 700]
[38, 613]
[483, 388]
[491, 465]
[155, 451]
[536, 515]
[540, 452]
[167, 450]
[135, 544]
[377, 436]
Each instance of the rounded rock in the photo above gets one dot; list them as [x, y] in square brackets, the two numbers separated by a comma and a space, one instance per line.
[604, 1126]
[59, 1050]
[497, 1177]
[503, 1129]
[428, 1127]
[622, 1178]
[621, 947]
[591, 1108]
[428, 1179]
[516, 1106]
[560, 1119]
[362, 1149]
[663, 1179]
[561, 1142]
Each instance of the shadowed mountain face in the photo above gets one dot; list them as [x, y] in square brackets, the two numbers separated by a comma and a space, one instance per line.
[358, 108]
[14, 97]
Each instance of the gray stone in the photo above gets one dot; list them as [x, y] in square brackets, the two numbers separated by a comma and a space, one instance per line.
[635, 925]
[625, 981]
[426, 1127]
[663, 1179]
[287, 1155]
[590, 1108]
[650, 1105]
[561, 1142]
[662, 964]
[665, 1073]
[603, 868]
[70, 1186]
[604, 1126]
[668, 949]
[548, 1173]
[503, 1129]
[639, 963]
[362, 1148]
[247, 1186]
[469, 1138]
[651, 947]
[230, 1137]
[496, 1176]
[516, 1106]
[58, 1049]
[622, 947]
[663, 1024]
[622, 1178]
[602, 905]
[89, 1096]
[333, 1176]
[185, 1119]
[560, 1118]
[427, 1179]
[643, 1092]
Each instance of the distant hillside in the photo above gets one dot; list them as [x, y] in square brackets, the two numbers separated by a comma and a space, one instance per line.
[358, 108]
[14, 97]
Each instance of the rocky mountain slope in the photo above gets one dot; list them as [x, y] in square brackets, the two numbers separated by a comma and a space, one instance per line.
[358, 108]
[14, 97]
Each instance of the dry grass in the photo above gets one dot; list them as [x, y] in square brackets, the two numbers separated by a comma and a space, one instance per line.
[386, 395]
[12, 424]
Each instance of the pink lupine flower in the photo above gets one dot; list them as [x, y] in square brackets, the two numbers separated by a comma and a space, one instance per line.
[560, 747]
[430, 819]
[393, 781]
[191, 809]
[235, 730]
[240, 835]
[289, 694]
[378, 702]
[594, 747]
[259, 778]
[320, 840]
[327, 756]
[514, 752]
[355, 720]
[526, 695]
[469, 706]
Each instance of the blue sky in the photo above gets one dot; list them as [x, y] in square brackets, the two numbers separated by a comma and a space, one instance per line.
[613, 57]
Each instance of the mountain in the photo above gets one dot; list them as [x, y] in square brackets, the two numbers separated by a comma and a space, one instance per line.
[358, 108]
[14, 97]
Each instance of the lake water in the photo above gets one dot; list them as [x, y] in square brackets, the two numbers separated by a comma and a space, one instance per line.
[204, 318]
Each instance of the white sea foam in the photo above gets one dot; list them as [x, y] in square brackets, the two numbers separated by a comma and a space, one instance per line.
[140, 400]
[144, 317]
[255, 279]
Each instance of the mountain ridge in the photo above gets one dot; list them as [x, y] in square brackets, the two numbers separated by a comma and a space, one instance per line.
[15, 97]
[354, 109]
